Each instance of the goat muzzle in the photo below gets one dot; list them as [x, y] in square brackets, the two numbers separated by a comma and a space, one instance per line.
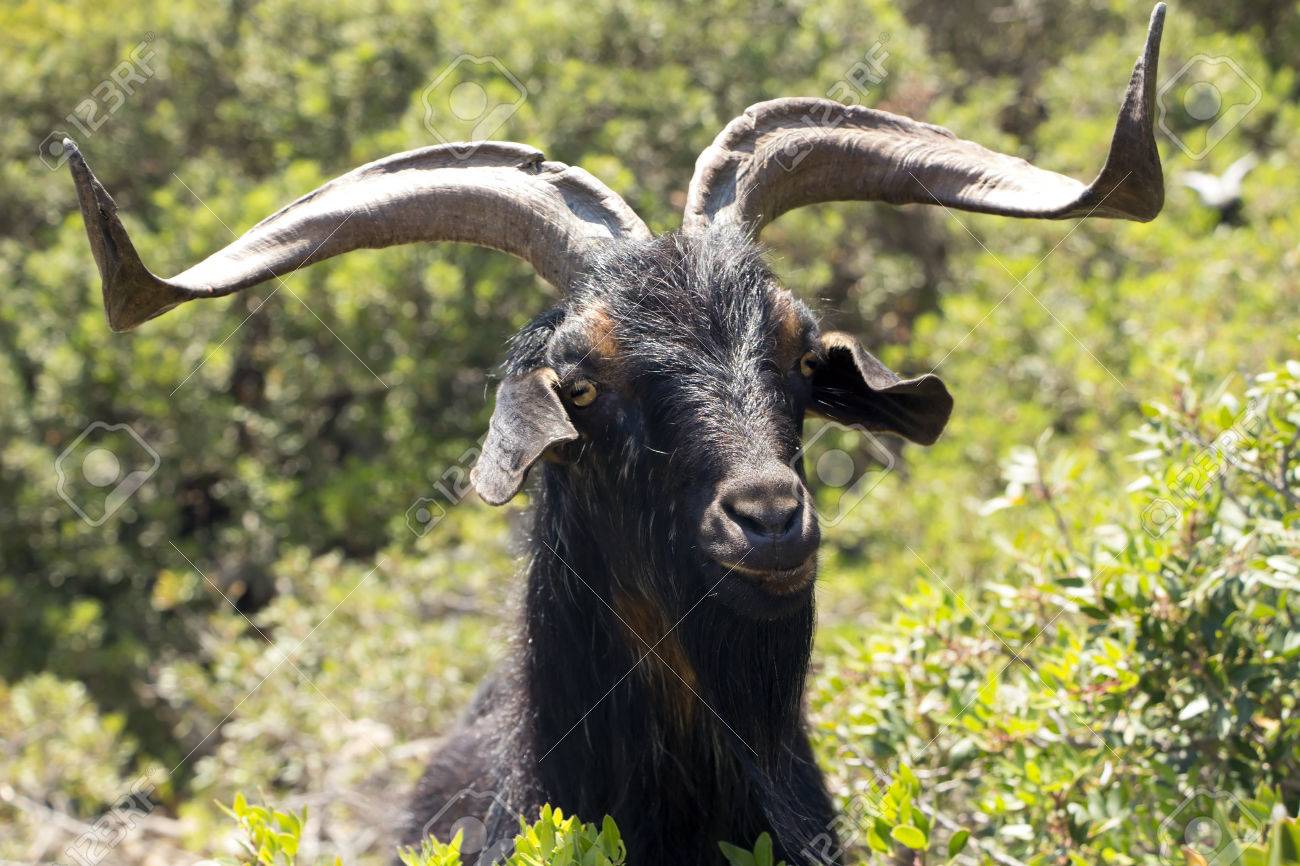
[761, 526]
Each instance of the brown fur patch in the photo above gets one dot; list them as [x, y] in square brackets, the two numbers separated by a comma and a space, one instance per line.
[671, 674]
[599, 326]
[789, 329]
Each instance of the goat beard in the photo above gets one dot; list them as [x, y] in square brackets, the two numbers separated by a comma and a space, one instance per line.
[749, 673]
[752, 675]
[727, 651]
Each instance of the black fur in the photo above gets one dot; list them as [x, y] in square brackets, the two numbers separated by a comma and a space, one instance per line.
[703, 738]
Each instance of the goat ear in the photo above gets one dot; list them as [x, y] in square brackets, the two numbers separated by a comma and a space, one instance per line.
[529, 418]
[853, 387]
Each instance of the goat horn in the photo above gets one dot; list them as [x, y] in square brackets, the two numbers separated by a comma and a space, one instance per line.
[504, 196]
[788, 153]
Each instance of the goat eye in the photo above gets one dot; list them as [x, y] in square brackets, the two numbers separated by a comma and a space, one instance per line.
[808, 363]
[582, 392]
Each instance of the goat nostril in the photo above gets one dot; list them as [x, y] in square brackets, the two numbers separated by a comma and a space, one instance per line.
[764, 517]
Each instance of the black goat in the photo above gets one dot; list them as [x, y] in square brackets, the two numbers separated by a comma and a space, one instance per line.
[668, 611]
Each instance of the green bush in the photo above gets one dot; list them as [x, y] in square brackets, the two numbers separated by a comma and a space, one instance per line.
[272, 838]
[553, 840]
[1117, 683]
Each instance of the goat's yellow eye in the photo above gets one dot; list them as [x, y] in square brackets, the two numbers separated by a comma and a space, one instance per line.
[808, 363]
[582, 392]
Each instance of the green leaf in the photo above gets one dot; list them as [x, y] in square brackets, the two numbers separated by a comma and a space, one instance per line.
[958, 842]
[1284, 845]
[736, 856]
[288, 843]
[910, 836]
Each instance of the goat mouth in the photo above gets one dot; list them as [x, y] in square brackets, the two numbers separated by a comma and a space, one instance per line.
[778, 581]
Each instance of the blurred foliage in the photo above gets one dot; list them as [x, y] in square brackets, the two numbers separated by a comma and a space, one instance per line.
[259, 615]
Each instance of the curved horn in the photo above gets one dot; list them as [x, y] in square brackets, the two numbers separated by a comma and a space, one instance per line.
[504, 196]
[788, 153]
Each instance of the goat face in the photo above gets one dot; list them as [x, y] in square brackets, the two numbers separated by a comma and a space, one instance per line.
[669, 394]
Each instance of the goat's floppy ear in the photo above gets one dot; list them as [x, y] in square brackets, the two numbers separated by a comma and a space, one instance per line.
[529, 418]
[851, 386]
